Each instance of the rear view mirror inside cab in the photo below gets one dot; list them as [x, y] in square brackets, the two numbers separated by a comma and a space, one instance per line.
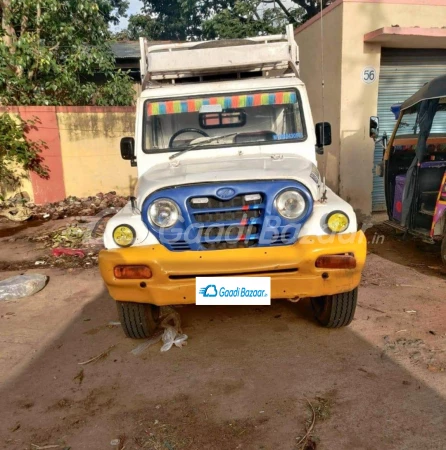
[221, 119]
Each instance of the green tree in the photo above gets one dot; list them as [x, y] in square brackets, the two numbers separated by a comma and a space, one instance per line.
[311, 7]
[173, 19]
[209, 19]
[244, 19]
[17, 151]
[113, 10]
[51, 51]
[142, 25]
[304, 10]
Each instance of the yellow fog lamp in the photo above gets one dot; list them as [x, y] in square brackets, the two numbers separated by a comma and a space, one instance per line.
[124, 235]
[337, 222]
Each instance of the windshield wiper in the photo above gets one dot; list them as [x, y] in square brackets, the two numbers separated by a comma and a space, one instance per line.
[202, 141]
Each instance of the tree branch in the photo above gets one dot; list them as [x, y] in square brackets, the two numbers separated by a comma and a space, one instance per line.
[55, 47]
[9, 36]
[287, 13]
[23, 25]
[38, 16]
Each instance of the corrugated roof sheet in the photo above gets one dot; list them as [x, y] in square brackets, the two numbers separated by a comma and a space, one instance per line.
[130, 49]
[126, 50]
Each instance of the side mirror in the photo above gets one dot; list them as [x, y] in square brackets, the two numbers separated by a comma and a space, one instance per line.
[323, 136]
[374, 127]
[128, 150]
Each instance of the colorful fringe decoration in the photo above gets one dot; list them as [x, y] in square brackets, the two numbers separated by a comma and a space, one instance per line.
[236, 101]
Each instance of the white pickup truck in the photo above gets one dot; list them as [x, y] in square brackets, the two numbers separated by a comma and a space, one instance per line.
[228, 185]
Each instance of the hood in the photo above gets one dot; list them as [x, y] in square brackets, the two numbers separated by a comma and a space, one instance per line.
[237, 168]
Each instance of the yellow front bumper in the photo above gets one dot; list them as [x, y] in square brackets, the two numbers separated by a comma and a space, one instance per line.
[291, 268]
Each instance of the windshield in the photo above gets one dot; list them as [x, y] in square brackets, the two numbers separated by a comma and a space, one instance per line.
[229, 120]
[410, 127]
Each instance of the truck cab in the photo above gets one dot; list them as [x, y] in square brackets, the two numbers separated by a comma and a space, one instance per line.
[228, 186]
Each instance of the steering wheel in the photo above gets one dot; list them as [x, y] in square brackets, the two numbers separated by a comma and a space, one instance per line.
[186, 130]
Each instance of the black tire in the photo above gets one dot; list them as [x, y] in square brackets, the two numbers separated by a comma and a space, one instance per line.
[138, 320]
[335, 311]
[443, 250]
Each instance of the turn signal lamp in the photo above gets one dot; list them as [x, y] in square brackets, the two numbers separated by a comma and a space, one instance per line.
[337, 222]
[132, 272]
[336, 262]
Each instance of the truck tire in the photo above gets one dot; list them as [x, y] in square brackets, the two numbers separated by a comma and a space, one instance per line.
[335, 311]
[443, 250]
[138, 320]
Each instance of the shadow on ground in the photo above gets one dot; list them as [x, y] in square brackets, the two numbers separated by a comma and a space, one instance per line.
[405, 250]
[241, 382]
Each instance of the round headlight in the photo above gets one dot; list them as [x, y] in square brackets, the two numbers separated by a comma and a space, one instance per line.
[124, 235]
[337, 222]
[290, 204]
[164, 213]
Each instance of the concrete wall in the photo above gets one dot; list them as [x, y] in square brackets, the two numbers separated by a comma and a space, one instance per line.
[308, 37]
[349, 101]
[83, 151]
[90, 150]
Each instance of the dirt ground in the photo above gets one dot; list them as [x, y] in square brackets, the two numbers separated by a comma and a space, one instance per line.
[249, 378]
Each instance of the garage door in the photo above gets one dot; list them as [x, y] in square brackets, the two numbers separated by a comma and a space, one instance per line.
[403, 72]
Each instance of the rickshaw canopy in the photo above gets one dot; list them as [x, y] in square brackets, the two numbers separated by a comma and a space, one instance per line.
[436, 88]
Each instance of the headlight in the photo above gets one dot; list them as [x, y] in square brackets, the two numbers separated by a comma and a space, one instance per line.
[124, 235]
[290, 204]
[164, 213]
[337, 222]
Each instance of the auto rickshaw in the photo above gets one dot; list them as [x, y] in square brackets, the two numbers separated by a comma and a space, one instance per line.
[414, 164]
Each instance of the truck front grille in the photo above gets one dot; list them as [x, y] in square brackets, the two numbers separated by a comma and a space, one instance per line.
[223, 224]
[238, 201]
[227, 215]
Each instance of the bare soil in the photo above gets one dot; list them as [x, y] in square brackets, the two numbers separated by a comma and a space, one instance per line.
[249, 378]
[405, 250]
[26, 245]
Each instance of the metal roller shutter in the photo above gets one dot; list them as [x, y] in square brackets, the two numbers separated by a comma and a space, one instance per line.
[403, 72]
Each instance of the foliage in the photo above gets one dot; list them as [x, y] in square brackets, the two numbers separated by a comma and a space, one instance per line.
[18, 151]
[113, 10]
[243, 20]
[311, 7]
[55, 52]
[173, 19]
[184, 19]
[209, 19]
[142, 25]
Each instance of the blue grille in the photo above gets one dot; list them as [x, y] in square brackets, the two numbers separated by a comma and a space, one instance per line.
[248, 219]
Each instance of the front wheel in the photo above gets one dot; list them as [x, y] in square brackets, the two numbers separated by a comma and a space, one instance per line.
[138, 320]
[335, 311]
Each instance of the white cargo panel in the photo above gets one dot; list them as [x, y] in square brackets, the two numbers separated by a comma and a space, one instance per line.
[192, 59]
